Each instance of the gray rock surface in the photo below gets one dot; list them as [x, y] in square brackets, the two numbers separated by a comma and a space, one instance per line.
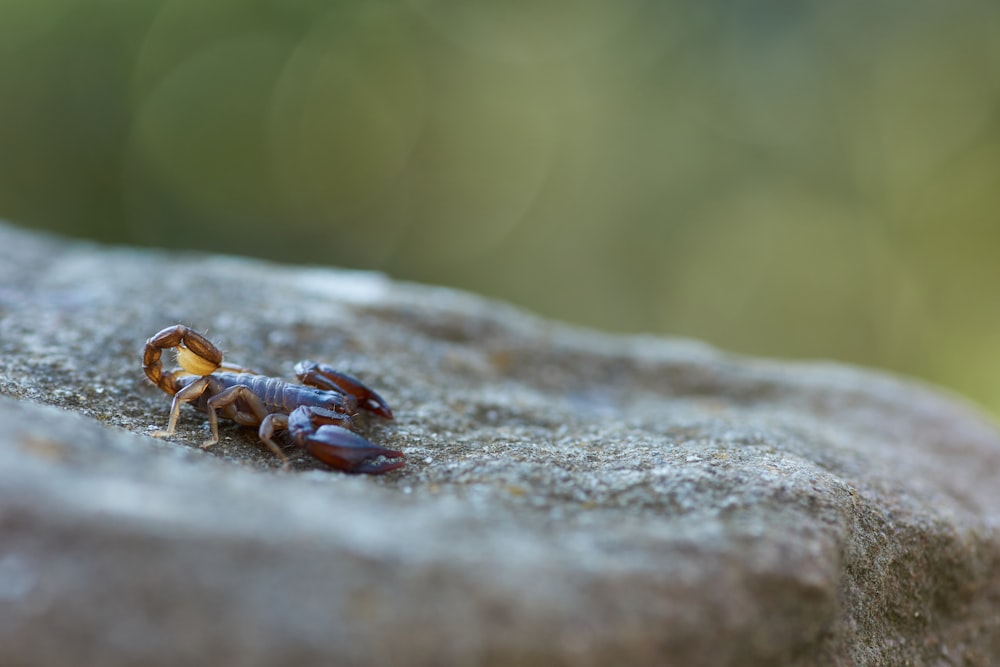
[570, 497]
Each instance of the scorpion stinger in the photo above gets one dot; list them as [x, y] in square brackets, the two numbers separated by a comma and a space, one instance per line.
[314, 416]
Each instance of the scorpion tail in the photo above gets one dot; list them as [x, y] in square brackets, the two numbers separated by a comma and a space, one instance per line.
[195, 353]
[349, 452]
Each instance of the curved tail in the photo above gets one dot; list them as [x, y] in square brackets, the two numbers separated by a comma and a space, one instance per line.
[195, 353]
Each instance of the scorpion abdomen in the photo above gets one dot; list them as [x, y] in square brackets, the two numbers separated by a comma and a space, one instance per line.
[278, 395]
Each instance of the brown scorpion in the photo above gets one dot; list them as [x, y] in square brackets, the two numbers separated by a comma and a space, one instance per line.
[314, 413]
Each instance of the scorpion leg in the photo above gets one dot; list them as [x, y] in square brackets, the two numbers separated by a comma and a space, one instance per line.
[274, 422]
[325, 377]
[226, 400]
[316, 431]
[185, 395]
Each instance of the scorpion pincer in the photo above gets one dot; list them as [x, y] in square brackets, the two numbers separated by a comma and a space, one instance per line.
[315, 414]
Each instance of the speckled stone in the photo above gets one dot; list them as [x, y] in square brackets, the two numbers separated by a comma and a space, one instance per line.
[570, 498]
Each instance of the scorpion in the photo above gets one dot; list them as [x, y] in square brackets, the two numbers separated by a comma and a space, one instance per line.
[315, 414]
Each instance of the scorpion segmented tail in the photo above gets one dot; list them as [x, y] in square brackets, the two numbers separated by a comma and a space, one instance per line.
[195, 354]
[153, 368]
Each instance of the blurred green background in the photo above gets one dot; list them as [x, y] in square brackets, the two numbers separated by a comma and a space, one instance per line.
[795, 179]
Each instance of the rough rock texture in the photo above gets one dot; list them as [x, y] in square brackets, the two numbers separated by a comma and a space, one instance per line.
[570, 497]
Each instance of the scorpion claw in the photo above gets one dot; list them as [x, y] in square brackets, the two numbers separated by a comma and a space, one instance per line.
[348, 451]
[325, 377]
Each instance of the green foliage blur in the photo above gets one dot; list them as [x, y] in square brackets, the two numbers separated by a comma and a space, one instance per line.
[795, 179]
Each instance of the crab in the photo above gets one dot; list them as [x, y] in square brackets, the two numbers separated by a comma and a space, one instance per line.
[316, 414]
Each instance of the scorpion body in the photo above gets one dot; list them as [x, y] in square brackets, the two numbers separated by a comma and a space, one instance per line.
[316, 414]
[275, 394]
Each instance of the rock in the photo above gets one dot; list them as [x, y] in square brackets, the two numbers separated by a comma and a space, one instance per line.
[570, 497]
